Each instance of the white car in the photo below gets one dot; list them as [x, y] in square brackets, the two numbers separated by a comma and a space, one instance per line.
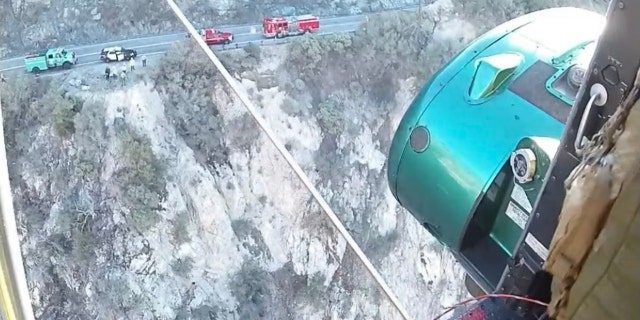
[117, 54]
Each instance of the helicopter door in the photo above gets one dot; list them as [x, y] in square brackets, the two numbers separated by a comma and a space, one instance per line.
[480, 247]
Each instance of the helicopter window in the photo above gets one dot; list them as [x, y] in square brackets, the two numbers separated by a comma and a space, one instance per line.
[500, 178]
[493, 190]
[419, 139]
[569, 82]
[478, 246]
[530, 86]
[491, 73]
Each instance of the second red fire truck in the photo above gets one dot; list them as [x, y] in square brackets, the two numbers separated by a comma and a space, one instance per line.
[290, 26]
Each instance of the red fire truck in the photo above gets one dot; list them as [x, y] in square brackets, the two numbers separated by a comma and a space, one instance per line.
[290, 26]
[212, 36]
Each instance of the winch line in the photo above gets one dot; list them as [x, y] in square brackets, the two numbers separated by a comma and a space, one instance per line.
[289, 158]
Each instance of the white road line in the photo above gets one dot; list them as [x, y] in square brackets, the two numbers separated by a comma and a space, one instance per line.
[12, 68]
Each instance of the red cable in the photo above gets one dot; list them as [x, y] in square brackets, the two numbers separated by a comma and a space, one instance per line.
[491, 295]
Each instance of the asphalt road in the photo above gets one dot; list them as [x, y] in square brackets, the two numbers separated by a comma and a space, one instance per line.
[151, 45]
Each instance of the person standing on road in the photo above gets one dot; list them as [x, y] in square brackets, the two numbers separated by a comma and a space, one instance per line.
[2, 78]
[132, 64]
[107, 73]
[144, 61]
[123, 78]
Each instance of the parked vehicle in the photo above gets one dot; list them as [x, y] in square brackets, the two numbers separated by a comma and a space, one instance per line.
[213, 36]
[290, 26]
[50, 58]
[117, 54]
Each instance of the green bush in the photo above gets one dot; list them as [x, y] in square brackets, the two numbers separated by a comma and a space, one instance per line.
[397, 41]
[251, 237]
[179, 231]
[76, 221]
[253, 50]
[182, 266]
[83, 245]
[17, 92]
[63, 121]
[90, 141]
[330, 117]
[251, 287]
[314, 57]
[143, 167]
[245, 133]
[314, 291]
[393, 46]
[187, 79]
[62, 113]
[21, 112]
[144, 207]
[142, 177]
[292, 107]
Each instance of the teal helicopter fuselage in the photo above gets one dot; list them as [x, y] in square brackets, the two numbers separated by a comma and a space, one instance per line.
[511, 88]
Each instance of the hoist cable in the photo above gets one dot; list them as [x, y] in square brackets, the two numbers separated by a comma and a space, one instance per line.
[294, 165]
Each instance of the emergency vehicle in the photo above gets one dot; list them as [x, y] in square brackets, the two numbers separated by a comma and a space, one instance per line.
[290, 26]
[48, 59]
[117, 54]
[213, 36]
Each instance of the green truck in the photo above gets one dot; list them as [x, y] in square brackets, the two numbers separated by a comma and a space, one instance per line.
[48, 59]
